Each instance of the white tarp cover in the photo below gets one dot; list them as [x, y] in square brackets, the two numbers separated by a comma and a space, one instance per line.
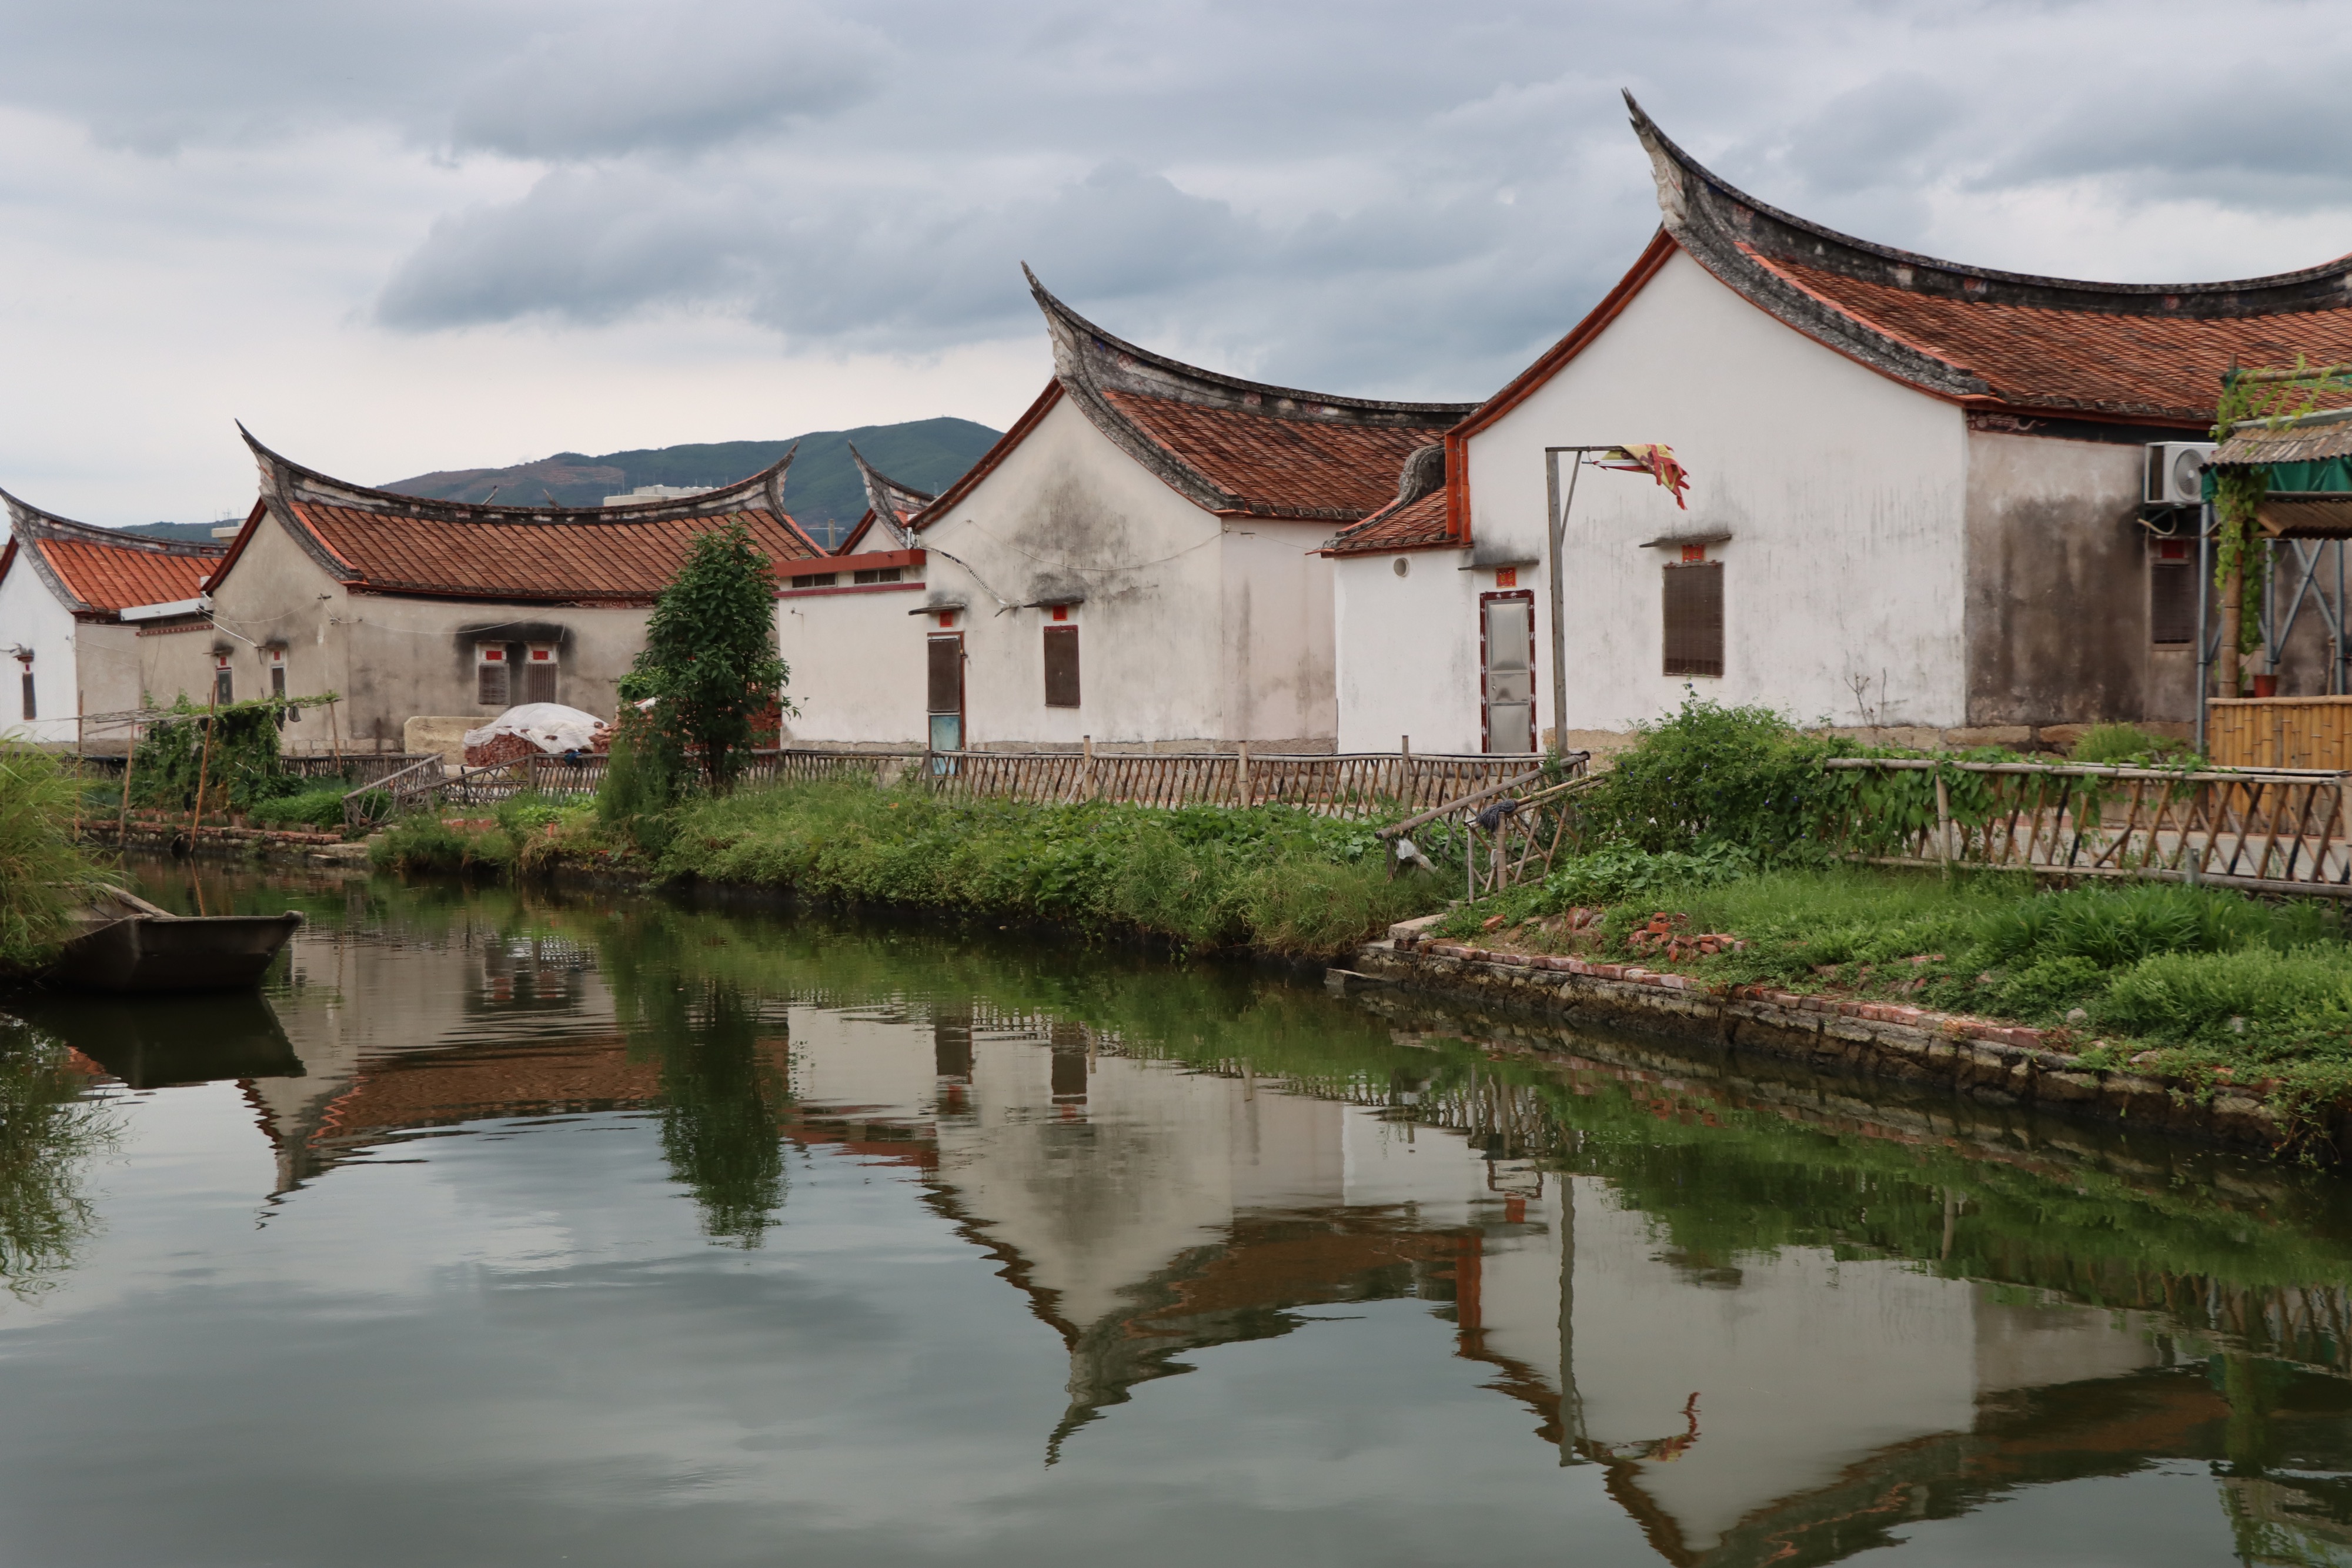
[551, 727]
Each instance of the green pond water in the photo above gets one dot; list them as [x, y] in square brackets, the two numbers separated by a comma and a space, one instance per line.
[519, 1230]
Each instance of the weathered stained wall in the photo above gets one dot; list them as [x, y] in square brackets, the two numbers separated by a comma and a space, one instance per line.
[1280, 680]
[1843, 491]
[857, 664]
[1066, 512]
[393, 658]
[2058, 627]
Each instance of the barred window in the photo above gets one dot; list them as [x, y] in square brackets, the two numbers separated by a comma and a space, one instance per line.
[876, 574]
[32, 704]
[539, 667]
[490, 683]
[1694, 606]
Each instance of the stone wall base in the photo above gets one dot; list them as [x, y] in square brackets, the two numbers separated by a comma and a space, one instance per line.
[1989, 1062]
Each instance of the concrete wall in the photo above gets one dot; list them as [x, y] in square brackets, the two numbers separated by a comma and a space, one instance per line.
[393, 658]
[2058, 588]
[1843, 494]
[31, 617]
[1067, 510]
[857, 662]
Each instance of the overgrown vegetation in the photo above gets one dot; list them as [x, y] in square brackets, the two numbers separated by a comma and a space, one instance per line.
[48, 1134]
[1281, 879]
[44, 874]
[1725, 820]
[240, 770]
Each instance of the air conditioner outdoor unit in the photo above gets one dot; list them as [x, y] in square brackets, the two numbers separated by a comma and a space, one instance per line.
[2176, 473]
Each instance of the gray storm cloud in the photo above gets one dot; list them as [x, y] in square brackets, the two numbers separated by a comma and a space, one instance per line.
[1372, 196]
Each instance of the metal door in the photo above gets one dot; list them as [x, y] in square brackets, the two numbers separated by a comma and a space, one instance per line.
[946, 686]
[1506, 671]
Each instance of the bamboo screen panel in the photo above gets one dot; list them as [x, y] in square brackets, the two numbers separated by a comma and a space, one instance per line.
[2281, 732]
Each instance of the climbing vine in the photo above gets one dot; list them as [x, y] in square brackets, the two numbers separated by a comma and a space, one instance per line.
[2239, 488]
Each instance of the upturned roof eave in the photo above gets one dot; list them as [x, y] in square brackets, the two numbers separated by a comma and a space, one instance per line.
[767, 485]
[32, 526]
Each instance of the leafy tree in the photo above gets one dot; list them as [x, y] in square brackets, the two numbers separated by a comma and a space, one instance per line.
[710, 664]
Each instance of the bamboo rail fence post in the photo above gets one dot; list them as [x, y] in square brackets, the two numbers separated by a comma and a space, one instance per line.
[203, 767]
[1943, 824]
[1087, 784]
[129, 761]
[1241, 751]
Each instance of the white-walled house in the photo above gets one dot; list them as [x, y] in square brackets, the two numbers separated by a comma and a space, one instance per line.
[1916, 495]
[415, 608]
[91, 623]
[1135, 562]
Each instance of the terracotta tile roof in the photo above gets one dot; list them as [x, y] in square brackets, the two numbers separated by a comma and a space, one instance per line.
[1414, 525]
[2147, 353]
[1275, 467]
[1235, 447]
[572, 561]
[99, 572]
[2166, 367]
[375, 541]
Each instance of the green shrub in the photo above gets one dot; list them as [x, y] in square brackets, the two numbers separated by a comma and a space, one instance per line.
[426, 844]
[1739, 776]
[2051, 986]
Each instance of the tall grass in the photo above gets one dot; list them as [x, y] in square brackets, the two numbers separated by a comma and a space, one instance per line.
[44, 874]
[1274, 877]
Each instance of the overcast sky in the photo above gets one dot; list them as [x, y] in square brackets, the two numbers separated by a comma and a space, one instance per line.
[434, 234]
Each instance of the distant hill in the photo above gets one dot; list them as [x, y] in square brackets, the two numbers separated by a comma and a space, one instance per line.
[822, 492]
[202, 533]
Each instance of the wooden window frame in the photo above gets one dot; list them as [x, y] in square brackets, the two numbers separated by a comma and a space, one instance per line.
[31, 692]
[1687, 664]
[1061, 634]
[931, 642]
[1485, 709]
[223, 680]
[489, 656]
[532, 666]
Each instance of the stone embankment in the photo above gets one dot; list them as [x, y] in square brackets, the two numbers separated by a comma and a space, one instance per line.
[1999, 1065]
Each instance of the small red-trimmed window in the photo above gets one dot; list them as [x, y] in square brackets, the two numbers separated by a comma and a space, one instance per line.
[277, 672]
[876, 574]
[224, 682]
[2172, 594]
[538, 667]
[492, 684]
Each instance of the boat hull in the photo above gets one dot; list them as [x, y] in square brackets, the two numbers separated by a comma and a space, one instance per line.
[166, 953]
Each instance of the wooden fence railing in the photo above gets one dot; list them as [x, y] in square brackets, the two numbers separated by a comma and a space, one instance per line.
[364, 768]
[2273, 831]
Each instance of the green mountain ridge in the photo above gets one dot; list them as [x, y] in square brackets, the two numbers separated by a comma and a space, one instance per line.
[823, 491]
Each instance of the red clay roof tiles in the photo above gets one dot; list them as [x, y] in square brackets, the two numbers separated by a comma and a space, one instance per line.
[1416, 525]
[113, 577]
[1279, 467]
[569, 561]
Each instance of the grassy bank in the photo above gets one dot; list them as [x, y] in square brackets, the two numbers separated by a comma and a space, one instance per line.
[1274, 878]
[2197, 983]
[1280, 879]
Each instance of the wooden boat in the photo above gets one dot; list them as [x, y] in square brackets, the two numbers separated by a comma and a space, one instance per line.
[127, 943]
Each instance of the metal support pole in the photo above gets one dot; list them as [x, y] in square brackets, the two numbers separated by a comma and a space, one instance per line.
[2204, 611]
[1556, 527]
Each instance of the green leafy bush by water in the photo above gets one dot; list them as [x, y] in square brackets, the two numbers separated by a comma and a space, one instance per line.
[2115, 744]
[319, 809]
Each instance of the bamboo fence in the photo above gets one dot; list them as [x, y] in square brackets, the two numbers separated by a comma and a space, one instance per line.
[2268, 829]
[2280, 732]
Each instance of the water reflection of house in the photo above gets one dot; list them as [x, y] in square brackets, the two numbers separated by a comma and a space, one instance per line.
[1755, 1407]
